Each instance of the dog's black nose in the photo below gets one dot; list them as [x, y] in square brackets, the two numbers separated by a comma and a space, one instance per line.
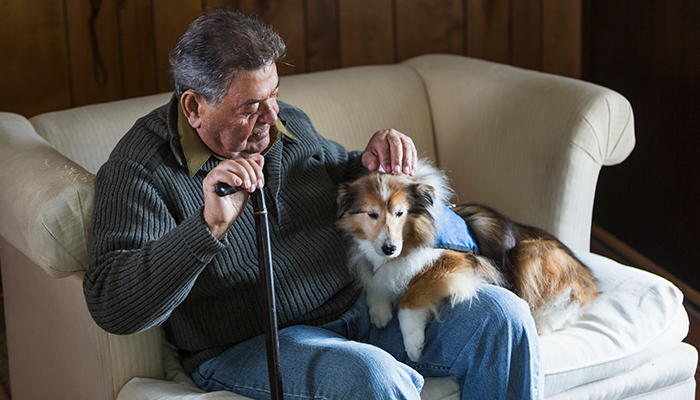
[388, 249]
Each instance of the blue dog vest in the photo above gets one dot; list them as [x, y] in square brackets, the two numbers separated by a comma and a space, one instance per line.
[452, 233]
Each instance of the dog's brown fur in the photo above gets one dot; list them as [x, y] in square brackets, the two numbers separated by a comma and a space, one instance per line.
[536, 265]
[435, 283]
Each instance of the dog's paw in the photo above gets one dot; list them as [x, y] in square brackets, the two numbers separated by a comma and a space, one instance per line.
[413, 324]
[413, 341]
[380, 314]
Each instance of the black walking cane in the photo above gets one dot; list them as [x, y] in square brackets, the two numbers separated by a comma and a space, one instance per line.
[267, 287]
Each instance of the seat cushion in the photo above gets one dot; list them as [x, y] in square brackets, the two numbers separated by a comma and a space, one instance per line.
[667, 377]
[637, 317]
[671, 373]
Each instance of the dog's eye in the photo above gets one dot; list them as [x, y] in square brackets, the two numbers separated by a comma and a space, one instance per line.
[399, 214]
[373, 215]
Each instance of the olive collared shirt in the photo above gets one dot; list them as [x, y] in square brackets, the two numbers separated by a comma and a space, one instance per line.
[197, 153]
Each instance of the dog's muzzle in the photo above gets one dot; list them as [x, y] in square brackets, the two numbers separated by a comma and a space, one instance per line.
[388, 249]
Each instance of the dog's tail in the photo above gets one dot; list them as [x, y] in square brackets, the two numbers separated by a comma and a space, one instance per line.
[475, 271]
[455, 276]
[537, 266]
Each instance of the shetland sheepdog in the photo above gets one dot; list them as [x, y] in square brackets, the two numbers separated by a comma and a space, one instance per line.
[393, 222]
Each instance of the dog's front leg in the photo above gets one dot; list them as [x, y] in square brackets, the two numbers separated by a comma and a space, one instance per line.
[413, 324]
[379, 304]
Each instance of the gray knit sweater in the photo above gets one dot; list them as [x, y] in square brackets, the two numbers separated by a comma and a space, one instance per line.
[153, 261]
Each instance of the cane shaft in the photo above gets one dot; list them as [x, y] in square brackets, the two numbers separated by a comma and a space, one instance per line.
[267, 289]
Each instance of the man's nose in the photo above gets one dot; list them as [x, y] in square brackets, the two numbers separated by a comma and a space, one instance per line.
[268, 112]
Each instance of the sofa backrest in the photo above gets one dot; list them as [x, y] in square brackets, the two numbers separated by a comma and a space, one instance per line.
[351, 104]
[88, 134]
[346, 105]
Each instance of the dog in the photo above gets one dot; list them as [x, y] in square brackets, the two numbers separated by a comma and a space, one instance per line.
[393, 221]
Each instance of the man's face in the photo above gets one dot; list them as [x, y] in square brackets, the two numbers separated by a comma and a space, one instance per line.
[239, 125]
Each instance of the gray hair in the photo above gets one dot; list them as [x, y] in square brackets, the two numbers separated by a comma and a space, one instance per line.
[217, 45]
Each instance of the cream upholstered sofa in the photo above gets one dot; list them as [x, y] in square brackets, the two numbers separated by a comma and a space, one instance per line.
[526, 143]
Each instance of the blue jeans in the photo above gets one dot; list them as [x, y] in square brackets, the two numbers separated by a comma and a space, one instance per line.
[489, 344]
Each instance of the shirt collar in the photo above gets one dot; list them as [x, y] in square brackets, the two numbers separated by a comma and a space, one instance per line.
[197, 153]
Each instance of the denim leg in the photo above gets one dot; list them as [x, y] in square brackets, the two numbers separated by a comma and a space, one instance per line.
[316, 364]
[489, 344]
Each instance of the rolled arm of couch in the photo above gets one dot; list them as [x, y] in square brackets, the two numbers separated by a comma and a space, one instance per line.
[529, 144]
[45, 196]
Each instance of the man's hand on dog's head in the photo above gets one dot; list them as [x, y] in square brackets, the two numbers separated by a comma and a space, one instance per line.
[391, 150]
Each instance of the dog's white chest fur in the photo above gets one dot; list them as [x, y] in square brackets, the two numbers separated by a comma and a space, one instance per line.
[394, 274]
[385, 280]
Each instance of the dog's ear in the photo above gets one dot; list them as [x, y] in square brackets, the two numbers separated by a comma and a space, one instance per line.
[346, 197]
[422, 197]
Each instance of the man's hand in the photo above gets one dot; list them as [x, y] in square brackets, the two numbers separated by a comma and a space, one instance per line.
[391, 150]
[221, 212]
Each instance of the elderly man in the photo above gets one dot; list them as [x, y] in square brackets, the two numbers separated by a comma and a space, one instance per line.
[165, 249]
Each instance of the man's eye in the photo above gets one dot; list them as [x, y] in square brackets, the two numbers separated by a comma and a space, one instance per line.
[250, 110]
[373, 215]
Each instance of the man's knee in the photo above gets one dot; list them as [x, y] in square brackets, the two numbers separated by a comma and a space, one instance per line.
[371, 373]
[505, 310]
[357, 370]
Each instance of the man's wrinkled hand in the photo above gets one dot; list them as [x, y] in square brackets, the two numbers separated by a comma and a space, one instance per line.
[392, 151]
[221, 212]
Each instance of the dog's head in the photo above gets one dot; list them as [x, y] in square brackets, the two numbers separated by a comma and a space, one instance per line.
[386, 214]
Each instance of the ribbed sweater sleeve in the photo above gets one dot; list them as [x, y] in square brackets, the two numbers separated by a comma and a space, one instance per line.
[140, 272]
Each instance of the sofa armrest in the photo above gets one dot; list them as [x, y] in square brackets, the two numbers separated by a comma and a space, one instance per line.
[55, 349]
[529, 144]
[46, 195]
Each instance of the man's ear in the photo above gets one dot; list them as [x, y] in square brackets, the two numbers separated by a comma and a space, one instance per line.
[192, 104]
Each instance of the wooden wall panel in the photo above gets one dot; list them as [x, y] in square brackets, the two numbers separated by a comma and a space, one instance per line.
[288, 18]
[648, 51]
[95, 72]
[366, 32]
[136, 44]
[488, 29]
[427, 26]
[322, 41]
[219, 3]
[34, 74]
[526, 29]
[170, 19]
[135, 38]
[561, 30]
